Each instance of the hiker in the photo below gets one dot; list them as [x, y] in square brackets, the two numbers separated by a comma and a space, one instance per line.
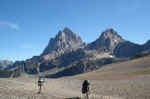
[40, 84]
[85, 88]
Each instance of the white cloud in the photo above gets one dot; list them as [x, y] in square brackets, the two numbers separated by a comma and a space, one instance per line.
[10, 25]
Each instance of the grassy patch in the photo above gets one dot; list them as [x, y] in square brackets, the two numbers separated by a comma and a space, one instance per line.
[73, 98]
[5, 73]
[140, 72]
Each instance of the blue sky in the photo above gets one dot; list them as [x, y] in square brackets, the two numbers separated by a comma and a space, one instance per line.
[27, 25]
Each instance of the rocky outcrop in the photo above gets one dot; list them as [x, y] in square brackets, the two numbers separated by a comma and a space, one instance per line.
[82, 66]
[5, 64]
[65, 41]
[111, 42]
[67, 55]
[107, 42]
[127, 49]
[146, 47]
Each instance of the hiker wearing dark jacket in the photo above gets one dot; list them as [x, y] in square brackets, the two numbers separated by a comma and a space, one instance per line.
[85, 88]
[40, 84]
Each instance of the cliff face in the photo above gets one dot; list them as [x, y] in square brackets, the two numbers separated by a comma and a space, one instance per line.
[5, 63]
[66, 54]
[65, 41]
[146, 46]
[108, 40]
[127, 49]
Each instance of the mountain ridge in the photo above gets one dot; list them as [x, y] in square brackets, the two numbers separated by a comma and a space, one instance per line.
[65, 40]
[66, 52]
[5, 64]
[107, 41]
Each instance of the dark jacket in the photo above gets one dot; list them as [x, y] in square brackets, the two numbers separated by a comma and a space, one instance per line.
[85, 87]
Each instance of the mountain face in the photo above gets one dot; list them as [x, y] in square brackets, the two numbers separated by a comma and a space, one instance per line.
[66, 54]
[127, 49]
[82, 66]
[65, 41]
[5, 63]
[108, 40]
[146, 46]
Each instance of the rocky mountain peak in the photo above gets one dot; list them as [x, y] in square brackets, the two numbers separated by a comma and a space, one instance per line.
[68, 35]
[111, 34]
[5, 63]
[148, 42]
[107, 41]
[67, 30]
[64, 41]
[146, 46]
[110, 31]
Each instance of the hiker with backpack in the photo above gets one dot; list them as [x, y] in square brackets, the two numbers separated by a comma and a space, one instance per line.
[85, 88]
[40, 84]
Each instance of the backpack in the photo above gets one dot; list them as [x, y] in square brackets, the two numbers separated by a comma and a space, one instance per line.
[85, 87]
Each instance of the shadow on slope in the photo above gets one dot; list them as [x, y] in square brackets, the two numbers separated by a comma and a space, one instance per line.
[82, 66]
[122, 70]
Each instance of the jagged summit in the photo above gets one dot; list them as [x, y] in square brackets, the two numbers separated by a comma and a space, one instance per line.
[68, 35]
[146, 46]
[67, 30]
[66, 54]
[148, 42]
[64, 41]
[107, 41]
[5, 63]
[110, 31]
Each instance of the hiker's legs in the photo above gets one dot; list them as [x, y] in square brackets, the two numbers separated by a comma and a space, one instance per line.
[87, 95]
[84, 96]
[40, 88]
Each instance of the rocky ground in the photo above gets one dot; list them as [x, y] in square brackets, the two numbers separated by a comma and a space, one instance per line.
[26, 88]
[125, 80]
